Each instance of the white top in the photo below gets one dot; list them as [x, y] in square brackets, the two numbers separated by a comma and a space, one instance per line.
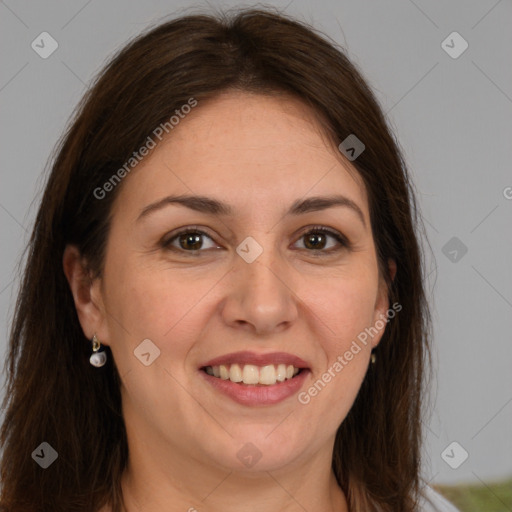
[434, 502]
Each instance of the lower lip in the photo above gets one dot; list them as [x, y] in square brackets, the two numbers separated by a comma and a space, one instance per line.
[247, 394]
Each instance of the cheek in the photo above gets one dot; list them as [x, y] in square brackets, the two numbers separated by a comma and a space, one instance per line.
[342, 314]
[165, 306]
[344, 308]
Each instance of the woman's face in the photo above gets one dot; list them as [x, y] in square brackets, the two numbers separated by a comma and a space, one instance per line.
[256, 291]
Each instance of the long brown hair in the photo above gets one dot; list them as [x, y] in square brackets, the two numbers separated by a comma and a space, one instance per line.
[54, 395]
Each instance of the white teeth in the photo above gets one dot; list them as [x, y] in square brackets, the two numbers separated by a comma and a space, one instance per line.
[281, 372]
[235, 373]
[252, 374]
[268, 375]
[223, 371]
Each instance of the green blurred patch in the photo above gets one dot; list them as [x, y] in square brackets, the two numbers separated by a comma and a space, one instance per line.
[491, 497]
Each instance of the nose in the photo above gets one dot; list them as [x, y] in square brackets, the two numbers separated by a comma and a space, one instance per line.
[261, 296]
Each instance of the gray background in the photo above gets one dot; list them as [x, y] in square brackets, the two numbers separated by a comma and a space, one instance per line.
[453, 120]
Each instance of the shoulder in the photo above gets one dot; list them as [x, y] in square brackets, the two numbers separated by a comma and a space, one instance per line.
[432, 501]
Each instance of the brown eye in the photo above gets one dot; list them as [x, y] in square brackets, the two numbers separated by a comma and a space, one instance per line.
[188, 240]
[316, 239]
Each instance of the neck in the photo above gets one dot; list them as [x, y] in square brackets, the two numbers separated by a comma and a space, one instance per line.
[186, 485]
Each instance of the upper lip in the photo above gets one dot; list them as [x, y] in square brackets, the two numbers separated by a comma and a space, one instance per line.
[247, 357]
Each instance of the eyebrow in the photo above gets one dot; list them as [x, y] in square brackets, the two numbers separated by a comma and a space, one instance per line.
[212, 206]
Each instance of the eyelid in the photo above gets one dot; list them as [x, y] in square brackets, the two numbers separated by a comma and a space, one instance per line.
[168, 238]
[324, 229]
[338, 236]
[344, 243]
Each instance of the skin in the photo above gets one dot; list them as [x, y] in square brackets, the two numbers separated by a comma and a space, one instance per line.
[258, 154]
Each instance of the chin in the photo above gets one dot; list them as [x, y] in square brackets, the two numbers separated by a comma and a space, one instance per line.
[259, 452]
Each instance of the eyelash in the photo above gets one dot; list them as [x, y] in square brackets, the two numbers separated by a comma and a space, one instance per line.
[345, 244]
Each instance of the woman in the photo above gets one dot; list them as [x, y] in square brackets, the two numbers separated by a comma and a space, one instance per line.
[223, 305]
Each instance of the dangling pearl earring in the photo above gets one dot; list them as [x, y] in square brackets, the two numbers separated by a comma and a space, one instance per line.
[97, 358]
[373, 358]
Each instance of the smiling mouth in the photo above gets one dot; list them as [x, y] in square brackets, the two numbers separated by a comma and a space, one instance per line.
[250, 374]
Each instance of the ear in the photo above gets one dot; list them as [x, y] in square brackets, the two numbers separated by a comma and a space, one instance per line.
[392, 268]
[382, 304]
[86, 294]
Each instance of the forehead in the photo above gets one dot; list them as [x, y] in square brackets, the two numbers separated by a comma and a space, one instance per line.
[242, 148]
[255, 128]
